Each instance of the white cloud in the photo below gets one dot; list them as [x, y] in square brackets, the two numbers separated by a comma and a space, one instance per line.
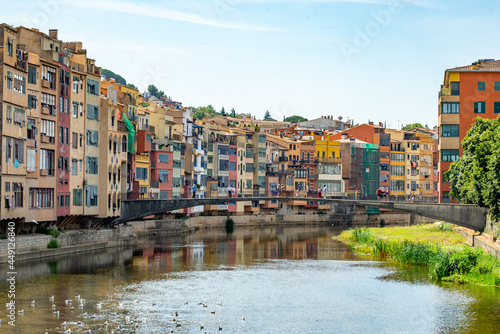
[163, 13]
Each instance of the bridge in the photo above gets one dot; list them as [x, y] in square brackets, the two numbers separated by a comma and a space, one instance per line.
[470, 216]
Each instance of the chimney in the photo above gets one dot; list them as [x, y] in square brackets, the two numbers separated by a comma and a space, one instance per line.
[344, 136]
[380, 124]
[53, 33]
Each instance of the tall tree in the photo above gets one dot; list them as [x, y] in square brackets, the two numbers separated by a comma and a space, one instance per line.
[233, 112]
[475, 177]
[108, 74]
[223, 112]
[267, 116]
[155, 92]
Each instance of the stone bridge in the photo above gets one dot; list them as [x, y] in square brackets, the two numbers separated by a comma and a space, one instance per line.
[470, 216]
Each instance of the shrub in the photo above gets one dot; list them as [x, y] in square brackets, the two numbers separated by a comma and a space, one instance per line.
[3, 237]
[444, 227]
[361, 235]
[53, 244]
[50, 231]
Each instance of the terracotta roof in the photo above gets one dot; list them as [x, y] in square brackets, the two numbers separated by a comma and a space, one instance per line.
[480, 65]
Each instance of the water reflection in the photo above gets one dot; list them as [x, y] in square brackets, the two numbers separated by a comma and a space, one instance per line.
[282, 280]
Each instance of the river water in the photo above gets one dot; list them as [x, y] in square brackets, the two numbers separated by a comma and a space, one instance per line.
[260, 280]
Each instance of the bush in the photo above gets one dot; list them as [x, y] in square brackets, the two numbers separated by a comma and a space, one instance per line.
[3, 237]
[460, 262]
[444, 227]
[361, 235]
[50, 231]
[53, 244]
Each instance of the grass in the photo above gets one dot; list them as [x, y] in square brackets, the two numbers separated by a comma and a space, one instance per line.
[444, 251]
[50, 231]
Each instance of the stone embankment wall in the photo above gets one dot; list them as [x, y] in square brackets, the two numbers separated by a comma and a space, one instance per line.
[35, 245]
[490, 244]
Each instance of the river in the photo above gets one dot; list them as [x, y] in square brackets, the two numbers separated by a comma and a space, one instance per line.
[257, 280]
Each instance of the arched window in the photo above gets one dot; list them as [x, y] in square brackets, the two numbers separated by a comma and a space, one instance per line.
[110, 173]
[114, 175]
[110, 139]
[119, 173]
[114, 145]
[119, 144]
[118, 202]
[113, 117]
[109, 201]
[114, 201]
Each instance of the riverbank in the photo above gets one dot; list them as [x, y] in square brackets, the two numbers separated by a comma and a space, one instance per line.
[444, 250]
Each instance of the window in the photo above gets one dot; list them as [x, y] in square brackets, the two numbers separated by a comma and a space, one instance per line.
[92, 165]
[449, 130]
[17, 188]
[450, 107]
[9, 80]
[10, 47]
[74, 140]
[19, 117]
[75, 84]
[48, 104]
[223, 165]
[41, 198]
[496, 107]
[446, 197]
[455, 88]
[92, 87]
[19, 84]
[497, 85]
[397, 170]
[249, 168]
[232, 165]
[449, 155]
[384, 167]
[232, 151]
[397, 157]
[47, 158]
[49, 76]
[47, 128]
[32, 102]
[92, 138]
[163, 175]
[74, 166]
[92, 112]
[332, 169]
[30, 160]
[141, 173]
[91, 195]
[8, 115]
[479, 107]
[163, 158]
[32, 75]
[445, 177]
[66, 105]
[481, 85]
[397, 185]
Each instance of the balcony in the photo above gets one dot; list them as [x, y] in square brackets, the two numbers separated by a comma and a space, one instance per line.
[285, 172]
[283, 159]
[328, 160]
[154, 184]
[45, 83]
[77, 67]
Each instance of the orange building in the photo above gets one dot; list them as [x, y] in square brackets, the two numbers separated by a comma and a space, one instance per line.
[467, 92]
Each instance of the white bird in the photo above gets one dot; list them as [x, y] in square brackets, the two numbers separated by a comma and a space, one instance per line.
[120, 304]
[220, 328]
[127, 318]
[93, 316]
[144, 319]
[99, 305]
[77, 297]
[67, 301]
[68, 331]
[242, 317]
[64, 324]
[88, 331]
[212, 312]
[56, 313]
[80, 324]
[201, 327]
[106, 323]
[51, 298]
[136, 301]
[20, 312]
[219, 303]
[53, 306]
[176, 314]
[33, 303]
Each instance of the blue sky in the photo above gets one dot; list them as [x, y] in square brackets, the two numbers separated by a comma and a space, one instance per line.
[360, 59]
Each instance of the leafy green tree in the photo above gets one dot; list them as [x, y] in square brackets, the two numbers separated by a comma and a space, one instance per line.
[131, 85]
[155, 92]
[223, 112]
[295, 119]
[107, 74]
[413, 125]
[475, 177]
